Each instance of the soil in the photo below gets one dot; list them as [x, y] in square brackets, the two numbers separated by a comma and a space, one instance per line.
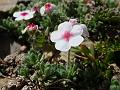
[4, 81]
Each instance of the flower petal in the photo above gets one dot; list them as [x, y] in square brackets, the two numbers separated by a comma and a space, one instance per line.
[77, 29]
[62, 45]
[85, 31]
[16, 14]
[32, 12]
[73, 21]
[23, 31]
[55, 36]
[76, 40]
[28, 16]
[65, 26]
[42, 11]
[19, 18]
[27, 11]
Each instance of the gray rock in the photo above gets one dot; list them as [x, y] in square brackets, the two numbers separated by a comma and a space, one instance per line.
[7, 4]
[26, 88]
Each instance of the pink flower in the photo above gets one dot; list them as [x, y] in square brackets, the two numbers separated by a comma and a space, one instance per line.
[73, 21]
[47, 8]
[23, 15]
[36, 9]
[67, 36]
[30, 27]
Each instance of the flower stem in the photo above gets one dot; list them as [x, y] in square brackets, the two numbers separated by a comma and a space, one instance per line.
[68, 57]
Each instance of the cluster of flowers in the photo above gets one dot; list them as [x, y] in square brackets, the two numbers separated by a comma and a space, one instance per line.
[28, 14]
[69, 33]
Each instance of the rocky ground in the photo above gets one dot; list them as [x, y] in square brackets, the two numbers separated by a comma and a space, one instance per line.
[10, 80]
[17, 83]
[7, 4]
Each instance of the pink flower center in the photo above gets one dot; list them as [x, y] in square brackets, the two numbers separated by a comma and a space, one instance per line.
[32, 26]
[67, 35]
[48, 7]
[36, 8]
[24, 13]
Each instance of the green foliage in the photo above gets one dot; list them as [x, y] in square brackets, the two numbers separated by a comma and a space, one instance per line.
[92, 75]
[107, 51]
[38, 70]
[79, 74]
[114, 85]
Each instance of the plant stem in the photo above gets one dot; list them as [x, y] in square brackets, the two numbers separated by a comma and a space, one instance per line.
[68, 57]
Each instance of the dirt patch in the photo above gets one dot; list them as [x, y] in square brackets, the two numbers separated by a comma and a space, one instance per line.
[4, 81]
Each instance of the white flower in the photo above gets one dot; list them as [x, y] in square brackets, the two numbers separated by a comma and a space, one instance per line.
[67, 36]
[23, 15]
[47, 8]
